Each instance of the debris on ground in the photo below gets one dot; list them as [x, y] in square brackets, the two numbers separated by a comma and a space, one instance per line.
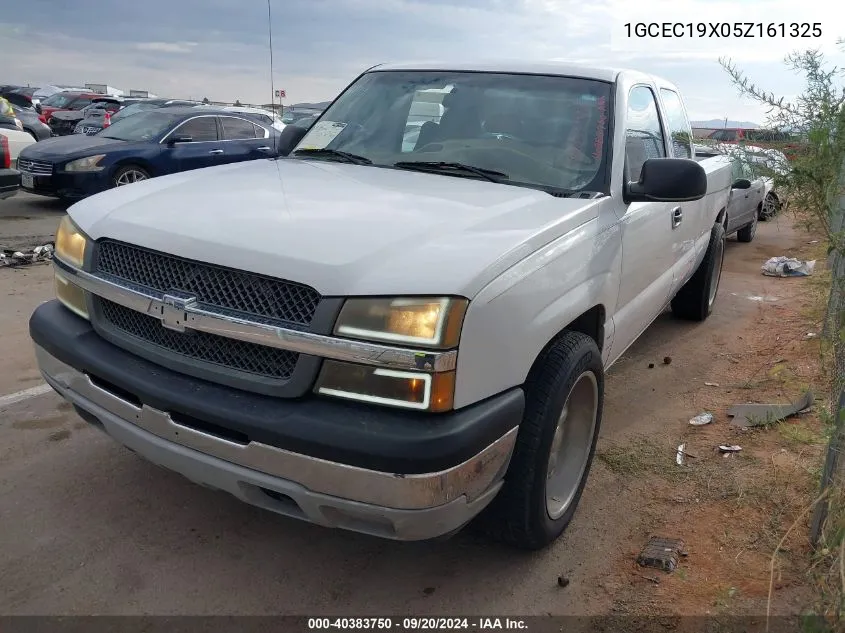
[811, 335]
[725, 448]
[747, 415]
[562, 581]
[667, 360]
[711, 384]
[788, 267]
[701, 419]
[679, 457]
[38, 254]
[661, 553]
[651, 365]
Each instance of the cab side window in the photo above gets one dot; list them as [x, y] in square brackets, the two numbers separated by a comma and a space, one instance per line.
[678, 124]
[644, 134]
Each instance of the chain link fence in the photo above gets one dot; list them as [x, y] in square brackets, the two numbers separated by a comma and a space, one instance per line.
[833, 475]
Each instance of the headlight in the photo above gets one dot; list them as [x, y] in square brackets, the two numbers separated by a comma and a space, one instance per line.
[89, 163]
[376, 385]
[70, 243]
[71, 295]
[425, 321]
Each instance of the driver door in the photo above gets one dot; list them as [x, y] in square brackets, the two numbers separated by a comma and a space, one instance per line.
[204, 149]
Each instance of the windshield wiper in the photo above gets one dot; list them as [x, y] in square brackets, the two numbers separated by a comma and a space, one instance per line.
[443, 167]
[334, 153]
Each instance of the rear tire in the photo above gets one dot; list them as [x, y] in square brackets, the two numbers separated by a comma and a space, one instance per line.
[770, 208]
[747, 232]
[695, 300]
[554, 448]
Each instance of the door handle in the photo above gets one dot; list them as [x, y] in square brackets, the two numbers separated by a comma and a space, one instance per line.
[677, 217]
[216, 151]
[265, 149]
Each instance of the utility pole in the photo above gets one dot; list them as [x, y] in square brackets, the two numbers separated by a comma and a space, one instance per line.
[270, 29]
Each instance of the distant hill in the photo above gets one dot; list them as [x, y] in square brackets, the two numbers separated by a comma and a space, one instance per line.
[720, 123]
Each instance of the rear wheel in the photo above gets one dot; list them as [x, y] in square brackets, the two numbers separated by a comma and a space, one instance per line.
[128, 174]
[747, 232]
[695, 299]
[554, 448]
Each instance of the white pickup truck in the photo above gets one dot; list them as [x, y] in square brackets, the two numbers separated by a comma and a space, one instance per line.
[390, 338]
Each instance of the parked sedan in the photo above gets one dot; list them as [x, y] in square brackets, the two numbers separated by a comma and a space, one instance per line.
[32, 125]
[148, 144]
[745, 201]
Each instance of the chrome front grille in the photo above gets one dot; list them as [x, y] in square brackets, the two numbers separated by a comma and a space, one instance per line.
[37, 167]
[227, 353]
[245, 293]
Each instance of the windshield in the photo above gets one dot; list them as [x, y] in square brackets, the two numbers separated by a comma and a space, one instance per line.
[145, 126]
[543, 131]
[59, 100]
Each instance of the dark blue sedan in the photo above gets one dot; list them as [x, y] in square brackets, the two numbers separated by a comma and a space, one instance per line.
[149, 144]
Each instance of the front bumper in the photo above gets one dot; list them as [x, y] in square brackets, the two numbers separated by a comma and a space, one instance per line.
[10, 182]
[68, 185]
[143, 406]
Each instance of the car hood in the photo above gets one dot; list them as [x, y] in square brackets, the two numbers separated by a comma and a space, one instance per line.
[342, 229]
[61, 148]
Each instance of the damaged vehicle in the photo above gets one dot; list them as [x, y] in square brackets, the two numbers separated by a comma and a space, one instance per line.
[389, 337]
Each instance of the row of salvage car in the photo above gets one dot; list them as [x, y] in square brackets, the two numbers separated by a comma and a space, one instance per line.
[147, 139]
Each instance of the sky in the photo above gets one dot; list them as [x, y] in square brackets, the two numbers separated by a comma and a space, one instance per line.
[219, 48]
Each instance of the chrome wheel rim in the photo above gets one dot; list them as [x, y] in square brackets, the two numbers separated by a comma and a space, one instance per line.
[571, 444]
[769, 207]
[716, 273]
[129, 176]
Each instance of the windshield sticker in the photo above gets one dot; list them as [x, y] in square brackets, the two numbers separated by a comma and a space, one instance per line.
[321, 134]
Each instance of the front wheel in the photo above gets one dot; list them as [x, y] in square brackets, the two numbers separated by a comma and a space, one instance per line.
[695, 299]
[128, 174]
[555, 446]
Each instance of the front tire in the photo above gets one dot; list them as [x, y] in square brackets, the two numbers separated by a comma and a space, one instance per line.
[770, 208]
[129, 174]
[554, 448]
[695, 300]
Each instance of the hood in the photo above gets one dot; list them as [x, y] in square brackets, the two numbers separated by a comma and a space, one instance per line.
[62, 148]
[342, 229]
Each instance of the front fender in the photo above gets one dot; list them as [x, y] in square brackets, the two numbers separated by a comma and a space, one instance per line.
[514, 317]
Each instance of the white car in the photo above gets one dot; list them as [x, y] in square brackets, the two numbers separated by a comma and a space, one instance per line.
[17, 141]
[267, 117]
[391, 341]
[772, 161]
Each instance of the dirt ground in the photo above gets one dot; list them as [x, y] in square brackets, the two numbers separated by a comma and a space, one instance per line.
[89, 528]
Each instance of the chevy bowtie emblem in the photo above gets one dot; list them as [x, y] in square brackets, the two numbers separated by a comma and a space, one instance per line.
[174, 315]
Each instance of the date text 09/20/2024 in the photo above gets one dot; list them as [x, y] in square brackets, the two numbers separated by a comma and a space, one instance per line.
[417, 624]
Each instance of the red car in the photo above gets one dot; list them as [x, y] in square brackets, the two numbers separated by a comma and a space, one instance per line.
[66, 101]
[769, 139]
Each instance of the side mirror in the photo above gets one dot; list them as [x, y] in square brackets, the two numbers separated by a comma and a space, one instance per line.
[668, 180]
[741, 183]
[179, 139]
[38, 108]
[289, 138]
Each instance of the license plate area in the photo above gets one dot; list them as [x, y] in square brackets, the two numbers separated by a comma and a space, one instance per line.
[27, 180]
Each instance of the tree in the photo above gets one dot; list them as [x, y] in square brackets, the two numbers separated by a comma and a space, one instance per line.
[237, 102]
[205, 100]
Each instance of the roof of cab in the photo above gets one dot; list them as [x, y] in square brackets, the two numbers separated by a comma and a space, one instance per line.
[562, 68]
